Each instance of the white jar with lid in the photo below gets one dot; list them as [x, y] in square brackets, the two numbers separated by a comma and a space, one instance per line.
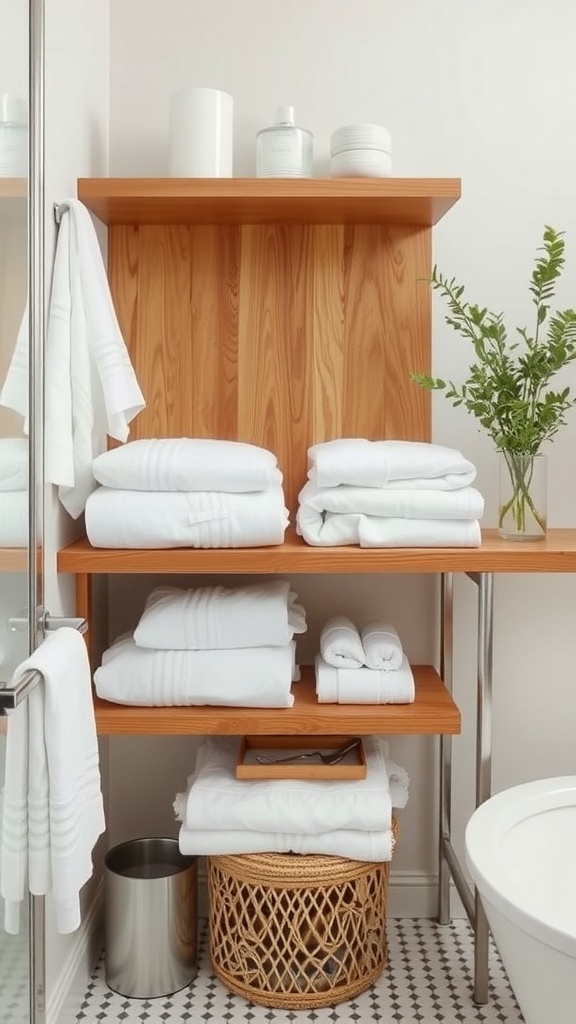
[284, 150]
[13, 137]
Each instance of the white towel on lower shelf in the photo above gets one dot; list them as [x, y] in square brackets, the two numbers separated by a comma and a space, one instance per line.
[363, 685]
[14, 513]
[200, 519]
[340, 643]
[382, 646]
[212, 618]
[357, 845]
[187, 464]
[256, 677]
[405, 464]
[216, 799]
[52, 808]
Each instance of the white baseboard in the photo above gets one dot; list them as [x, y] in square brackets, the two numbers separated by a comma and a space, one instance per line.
[410, 894]
[65, 1000]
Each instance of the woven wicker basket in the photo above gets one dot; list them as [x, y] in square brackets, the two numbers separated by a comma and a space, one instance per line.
[297, 932]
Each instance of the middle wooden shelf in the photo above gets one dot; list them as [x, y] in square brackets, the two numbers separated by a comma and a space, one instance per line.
[433, 712]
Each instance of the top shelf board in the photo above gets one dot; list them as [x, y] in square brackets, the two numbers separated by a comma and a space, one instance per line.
[557, 553]
[417, 201]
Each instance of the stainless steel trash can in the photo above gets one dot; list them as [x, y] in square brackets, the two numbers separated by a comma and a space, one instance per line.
[151, 918]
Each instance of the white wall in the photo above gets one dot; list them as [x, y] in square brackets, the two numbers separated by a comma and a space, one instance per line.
[76, 139]
[483, 91]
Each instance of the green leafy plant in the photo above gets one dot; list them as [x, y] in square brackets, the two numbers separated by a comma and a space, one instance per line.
[509, 388]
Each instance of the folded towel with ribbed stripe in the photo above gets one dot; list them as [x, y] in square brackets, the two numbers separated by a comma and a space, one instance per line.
[352, 843]
[363, 685]
[404, 464]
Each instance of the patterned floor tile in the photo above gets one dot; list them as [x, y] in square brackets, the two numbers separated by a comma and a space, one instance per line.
[428, 979]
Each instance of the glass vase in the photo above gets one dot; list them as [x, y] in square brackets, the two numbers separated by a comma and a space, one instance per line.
[523, 492]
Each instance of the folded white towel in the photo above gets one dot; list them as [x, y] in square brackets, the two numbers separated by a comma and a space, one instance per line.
[357, 845]
[52, 808]
[216, 799]
[382, 646]
[213, 618]
[14, 393]
[257, 677]
[465, 503]
[14, 512]
[363, 685]
[320, 527]
[13, 463]
[187, 464]
[173, 519]
[340, 643]
[404, 464]
[91, 387]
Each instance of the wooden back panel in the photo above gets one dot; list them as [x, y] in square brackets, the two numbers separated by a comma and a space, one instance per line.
[280, 335]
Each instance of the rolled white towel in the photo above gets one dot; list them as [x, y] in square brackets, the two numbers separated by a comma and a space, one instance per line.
[363, 685]
[382, 646]
[187, 464]
[340, 643]
[403, 464]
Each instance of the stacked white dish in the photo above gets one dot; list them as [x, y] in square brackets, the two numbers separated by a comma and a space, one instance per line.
[361, 151]
[13, 137]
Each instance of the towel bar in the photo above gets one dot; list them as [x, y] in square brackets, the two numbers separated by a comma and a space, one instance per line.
[12, 696]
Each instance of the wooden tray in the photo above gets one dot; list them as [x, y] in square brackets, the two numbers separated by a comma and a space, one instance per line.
[353, 766]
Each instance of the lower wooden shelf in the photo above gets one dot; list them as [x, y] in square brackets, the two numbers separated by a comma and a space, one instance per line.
[433, 712]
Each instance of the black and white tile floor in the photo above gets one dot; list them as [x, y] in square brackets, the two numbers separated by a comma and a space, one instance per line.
[428, 979]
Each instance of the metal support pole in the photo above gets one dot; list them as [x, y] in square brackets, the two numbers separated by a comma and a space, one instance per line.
[445, 799]
[483, 763]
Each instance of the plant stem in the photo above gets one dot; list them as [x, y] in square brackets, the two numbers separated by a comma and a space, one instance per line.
[521, 470]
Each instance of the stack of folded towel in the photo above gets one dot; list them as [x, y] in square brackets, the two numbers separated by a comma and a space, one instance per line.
[366, 666]
[13, 492]
[210, 645]
[389, 494]
[186, 492]
[221, 814]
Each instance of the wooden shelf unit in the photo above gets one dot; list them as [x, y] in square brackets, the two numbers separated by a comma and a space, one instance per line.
[432, 712]
[294, 312]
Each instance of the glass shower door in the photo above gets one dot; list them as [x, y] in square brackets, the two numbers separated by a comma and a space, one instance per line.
[18, 587]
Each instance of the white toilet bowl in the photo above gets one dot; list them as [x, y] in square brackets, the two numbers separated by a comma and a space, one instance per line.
[521, 852]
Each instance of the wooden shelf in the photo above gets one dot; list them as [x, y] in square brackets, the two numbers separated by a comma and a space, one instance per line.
[555, 554]
[433, 712]
[13, 200]
[407, 201]
[14, 560]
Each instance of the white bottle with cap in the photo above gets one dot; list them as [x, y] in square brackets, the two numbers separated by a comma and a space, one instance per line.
[284, 150]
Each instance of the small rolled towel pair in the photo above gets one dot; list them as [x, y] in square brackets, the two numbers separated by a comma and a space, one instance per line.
[375, 646]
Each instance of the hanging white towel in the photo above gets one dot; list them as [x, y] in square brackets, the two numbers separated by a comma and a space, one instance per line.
[404, 464]
[91, 387]
[382, 646]
[188, 464]
[340, 643]
[14, 393]
[175, 519]
[216, 799]
[52, 809]
[214, 618]
[253, 677]
[363, 685]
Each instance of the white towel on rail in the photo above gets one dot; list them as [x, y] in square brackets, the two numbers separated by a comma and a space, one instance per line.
[212, 618]
[340, 643]
[14, 513]
[253, 677]
[14, 393]
[14, 463]
[352, 843]
[363, 685]
[403, 464]
[216, 799]
[91, 387]
[187, 464]
[381, 645]
[52, 808]
[197, 519]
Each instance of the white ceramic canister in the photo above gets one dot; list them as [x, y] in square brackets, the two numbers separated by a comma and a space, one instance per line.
[201, 133]
[13, 137]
